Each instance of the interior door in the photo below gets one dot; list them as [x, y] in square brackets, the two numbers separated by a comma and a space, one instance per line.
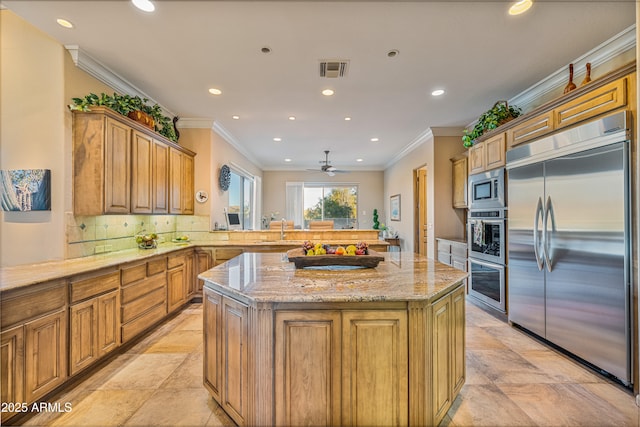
[420, 202]
[526, 294]
[586, 275]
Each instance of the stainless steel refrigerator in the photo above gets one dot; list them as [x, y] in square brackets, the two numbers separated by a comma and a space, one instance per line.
[568, 242]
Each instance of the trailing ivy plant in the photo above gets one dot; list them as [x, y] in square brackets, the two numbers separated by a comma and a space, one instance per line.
[124, 104]
[491, 119]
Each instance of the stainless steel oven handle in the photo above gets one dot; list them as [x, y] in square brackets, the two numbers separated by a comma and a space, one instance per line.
[536, 239]
[546, 237]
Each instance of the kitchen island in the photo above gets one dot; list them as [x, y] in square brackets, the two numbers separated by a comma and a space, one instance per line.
[377, 346]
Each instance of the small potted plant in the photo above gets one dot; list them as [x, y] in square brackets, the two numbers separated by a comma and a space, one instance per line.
[500, 113]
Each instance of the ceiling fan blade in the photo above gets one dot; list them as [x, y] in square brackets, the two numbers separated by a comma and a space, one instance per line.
[330, 173]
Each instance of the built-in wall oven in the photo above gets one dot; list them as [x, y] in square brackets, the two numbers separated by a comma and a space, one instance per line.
[487, 246]
[486, 234]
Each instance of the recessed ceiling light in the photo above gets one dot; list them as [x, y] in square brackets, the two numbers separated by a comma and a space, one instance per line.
[287, 160]
[265, 49]
[64, 23]
[359, 160]
[144, 5]
[292, 118]
[437, 92]
[328, 92]
[347, 119]
[235, 117]
[393, 53]
[214, 91]
[520, 7]
[375, 139]
[276, 139]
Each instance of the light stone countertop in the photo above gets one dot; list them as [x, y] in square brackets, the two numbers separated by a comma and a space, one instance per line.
[32, 274]
[270, 277]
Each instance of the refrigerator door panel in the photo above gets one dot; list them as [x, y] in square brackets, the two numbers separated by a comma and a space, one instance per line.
[525, 284]
[586, 305]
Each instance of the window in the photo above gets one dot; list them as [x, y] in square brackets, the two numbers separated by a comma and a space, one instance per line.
[241, 198]
[322, 202]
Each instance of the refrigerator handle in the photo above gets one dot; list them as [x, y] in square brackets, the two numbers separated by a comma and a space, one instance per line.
[536, 239]
[546, 238]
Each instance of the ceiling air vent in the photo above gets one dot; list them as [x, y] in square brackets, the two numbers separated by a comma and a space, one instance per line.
[333, 69]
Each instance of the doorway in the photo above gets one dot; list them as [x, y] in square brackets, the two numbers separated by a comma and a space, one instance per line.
[420, 210]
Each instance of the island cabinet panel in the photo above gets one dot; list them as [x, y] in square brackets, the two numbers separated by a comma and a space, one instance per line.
[213, 343]
[45, 354]
[308, 368]
[375, 368]
[141, 173]
[235, 337]
[12, 367]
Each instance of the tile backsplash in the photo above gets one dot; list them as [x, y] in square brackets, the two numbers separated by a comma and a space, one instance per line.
[89, 235]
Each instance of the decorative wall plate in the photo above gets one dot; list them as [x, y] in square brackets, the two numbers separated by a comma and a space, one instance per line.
[201, 196]
[225, 177]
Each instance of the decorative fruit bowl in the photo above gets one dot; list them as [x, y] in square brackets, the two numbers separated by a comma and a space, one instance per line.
[301, 259]
[147, 241]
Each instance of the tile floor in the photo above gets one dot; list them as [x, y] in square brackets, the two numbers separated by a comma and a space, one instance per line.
[512, 380]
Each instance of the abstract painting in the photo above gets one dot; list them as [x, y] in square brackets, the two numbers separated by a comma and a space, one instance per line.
[25, 190]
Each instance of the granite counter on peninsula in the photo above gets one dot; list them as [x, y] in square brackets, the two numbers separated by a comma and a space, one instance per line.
[380, 346]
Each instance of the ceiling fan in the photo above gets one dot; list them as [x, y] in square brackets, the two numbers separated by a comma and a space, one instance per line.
[326, 166]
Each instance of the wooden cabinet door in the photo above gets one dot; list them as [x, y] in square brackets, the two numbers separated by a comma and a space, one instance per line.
[459, 167]
[495, 151]
[117, 164]
[212, 310]
[235, 337]
[108, 322]
[176, 288]
[83, 319]
[190, 276]
[530, 129]
[375, 368]
[187, 184]
[307, 368]
[476, 158]
[458, 339]
[12, 367]
[204, 261]
[45, 354]
[175, 181]
[141, 179]
[441, 356]
[160, 177]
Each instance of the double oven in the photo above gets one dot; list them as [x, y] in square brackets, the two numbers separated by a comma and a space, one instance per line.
[486, 236]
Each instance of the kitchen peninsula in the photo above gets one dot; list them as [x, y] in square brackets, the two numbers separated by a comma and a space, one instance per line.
[377, 346]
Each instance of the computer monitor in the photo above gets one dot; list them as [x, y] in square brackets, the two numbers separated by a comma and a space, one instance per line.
[233, 221]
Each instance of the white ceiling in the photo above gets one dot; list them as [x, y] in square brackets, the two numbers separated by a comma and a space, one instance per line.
[473, 50]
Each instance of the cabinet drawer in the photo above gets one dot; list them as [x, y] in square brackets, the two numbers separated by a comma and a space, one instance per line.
[176, 261]
[459, 250]
[444, 258]
[133, 273]
[592, 104]
[138, 289]
[444, 246]
[135, 308]
[156, 266]
[87, 288]
[532, 128]
[143, 322]
[19, 305]
[459, 263]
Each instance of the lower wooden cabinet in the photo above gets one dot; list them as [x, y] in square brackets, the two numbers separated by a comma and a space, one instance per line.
[45, 354]
[203, 262]
[12, 367]
[448, 343]
[94, 330]
[179, 278]
[226, 354]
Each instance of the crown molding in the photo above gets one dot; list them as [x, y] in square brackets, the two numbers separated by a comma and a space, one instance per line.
[417, 141]
[231, 140]
[107, 76]
[194, 123]
[601, 54]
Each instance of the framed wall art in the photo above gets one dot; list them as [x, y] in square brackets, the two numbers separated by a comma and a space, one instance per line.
[394, 207]
[25, 190]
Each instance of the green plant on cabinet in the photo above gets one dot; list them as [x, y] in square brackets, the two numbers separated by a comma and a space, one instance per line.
[500, 113]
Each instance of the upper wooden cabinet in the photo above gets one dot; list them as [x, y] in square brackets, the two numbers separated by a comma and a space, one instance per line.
[488, 154]
[123, 167]
[459, 178]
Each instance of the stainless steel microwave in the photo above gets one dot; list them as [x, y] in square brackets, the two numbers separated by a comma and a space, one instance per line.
[486, 190]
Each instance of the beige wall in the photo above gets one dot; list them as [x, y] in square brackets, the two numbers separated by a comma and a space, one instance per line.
[370, 191]
[442, 219]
